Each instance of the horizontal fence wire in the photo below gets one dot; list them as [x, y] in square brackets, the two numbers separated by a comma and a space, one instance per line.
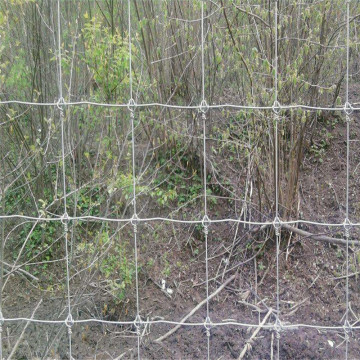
[64, 103]
[293, 326]
[172, 220]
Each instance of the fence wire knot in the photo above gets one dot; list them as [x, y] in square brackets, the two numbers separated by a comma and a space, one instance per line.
[347, 227]
[69, 322]
[131, 105]
[1, 321]
[277, 225]
[135, 222]
[278, 327]
[347, 330]
[206, 223]
[276, 108]
[348, 109]
[137, 323]
[207, 326]
[60, 103]
[204, 107]
[65, 221]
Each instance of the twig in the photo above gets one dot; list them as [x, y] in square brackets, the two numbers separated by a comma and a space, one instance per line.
[249, 342]
[344, 276]
[312, 284]
[196, 308]
[23, 332]
[296, 307]
[123, 354]
[265, 273]
[251, 14]
[255, 307]
[18, 269]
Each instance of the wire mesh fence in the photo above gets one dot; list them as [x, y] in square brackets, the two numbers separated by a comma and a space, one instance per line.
[137, 225]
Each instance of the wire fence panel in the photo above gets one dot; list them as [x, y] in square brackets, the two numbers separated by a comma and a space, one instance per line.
[139, 186]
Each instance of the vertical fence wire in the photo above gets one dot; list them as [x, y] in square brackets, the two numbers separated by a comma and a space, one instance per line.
[277, 223]
[347, 224]
[206, 222]
[134, 221]
[65, 217]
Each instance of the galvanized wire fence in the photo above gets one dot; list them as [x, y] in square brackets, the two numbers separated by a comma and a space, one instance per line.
[204, 108]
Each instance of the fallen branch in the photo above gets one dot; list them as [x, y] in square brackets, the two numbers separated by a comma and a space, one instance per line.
[344, 276]
[249, 342]
[18, 269]
[196, 308]
[323, 238]
[296, 307]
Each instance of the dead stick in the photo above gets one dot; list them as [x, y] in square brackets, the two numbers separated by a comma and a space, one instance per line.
[9, 272]
[196, 308]
[344, 276]
[319, 237]
[23, 332]
[248, 343]
[306, 234]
